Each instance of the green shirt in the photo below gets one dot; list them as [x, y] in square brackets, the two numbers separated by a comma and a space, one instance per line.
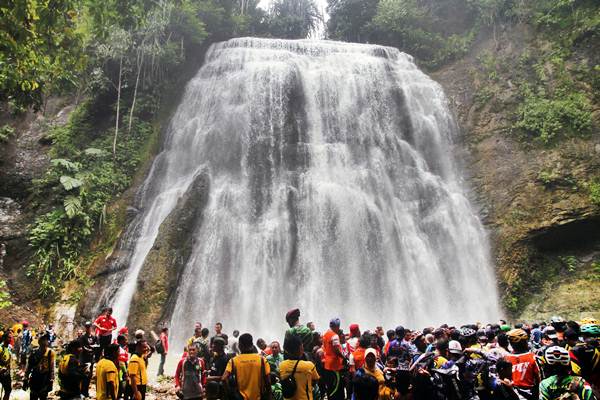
[553, 387]
[305, 334]
[274, 361]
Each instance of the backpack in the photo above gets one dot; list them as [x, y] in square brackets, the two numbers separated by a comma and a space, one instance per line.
[160, 349]
[288, 385]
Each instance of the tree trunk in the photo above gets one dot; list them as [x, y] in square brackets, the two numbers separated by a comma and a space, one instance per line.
[118, 109]
[135, 90]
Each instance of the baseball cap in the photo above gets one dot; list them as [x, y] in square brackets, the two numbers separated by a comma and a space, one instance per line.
[550, 332]
[454, 347]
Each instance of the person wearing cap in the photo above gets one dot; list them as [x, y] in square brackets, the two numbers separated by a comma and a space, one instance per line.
[333, 362]
[455, 352]
[250, 369]
[105, 325]
[296, 328]
[369, 381]
[39, 376]
[560, 384]
[354, 337]
[526, 372]
[585, 357]
[89, 355]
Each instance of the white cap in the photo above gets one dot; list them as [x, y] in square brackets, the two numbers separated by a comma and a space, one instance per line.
[370, 351]
[454, 347]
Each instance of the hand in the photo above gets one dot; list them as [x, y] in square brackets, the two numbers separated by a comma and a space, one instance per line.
[507, 382]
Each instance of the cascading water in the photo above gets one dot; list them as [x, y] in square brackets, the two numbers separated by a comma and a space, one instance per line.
[331, 187]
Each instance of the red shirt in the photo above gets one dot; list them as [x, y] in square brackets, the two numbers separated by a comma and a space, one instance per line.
[179, 371]
[525, 372]
[105, 324]
[332, 361]
[164, 338]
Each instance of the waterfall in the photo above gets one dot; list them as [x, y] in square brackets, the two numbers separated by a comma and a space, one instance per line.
[332, 188]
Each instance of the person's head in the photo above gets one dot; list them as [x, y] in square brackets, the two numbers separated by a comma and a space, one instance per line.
[504, 369]
[112, 352]
[245, 343]
[80, 332]
[558, 360]
[379, 331]
[342, 336]
[429, 338]
[334, 324]
[549, 336]
[391, 335]
[558, 323]
[317, 339]
[139, 335]
[43, 341]
[198, 325]
[518, 339]
[261, 344]
[204, 333]
[455, 349]
[88, 326]
[6, 337]
[275, 348]
[400, 332]
[124, 331]
[572, 337]
[364, 341]
[74, 346]
[292, 317]
[107, 311]
[121, 340]
[140, 347]
[236, 333]
[50, 326]
[293, 347]
[311, 325]
[590, 332]
[218, 328]
[164, 330]
[370, 358]
[25, 324]
[502, 340]
[218, 345]
[354, 330]
[420, 343]
[441, 347]
[192, 351]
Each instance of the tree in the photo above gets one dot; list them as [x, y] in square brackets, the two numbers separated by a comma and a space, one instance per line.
[294, 19]
[40, 49]
[350, 20]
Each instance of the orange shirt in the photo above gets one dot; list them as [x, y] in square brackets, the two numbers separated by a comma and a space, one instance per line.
[331, 361]
[359, 357]
[525, 372]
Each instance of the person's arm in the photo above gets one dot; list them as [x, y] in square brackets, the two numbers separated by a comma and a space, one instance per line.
[178, 373]
[51, 366]
[337, 347]
[228, 370]
[110, 386]
[133, 370]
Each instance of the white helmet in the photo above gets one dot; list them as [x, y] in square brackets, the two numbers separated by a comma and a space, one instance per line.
[556, 355]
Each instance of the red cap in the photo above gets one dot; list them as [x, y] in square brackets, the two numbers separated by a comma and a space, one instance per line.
[123, 330]
[354, 328]
[25, 323]
[292, 314]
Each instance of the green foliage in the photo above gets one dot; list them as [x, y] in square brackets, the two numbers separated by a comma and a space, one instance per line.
[39, 50]
[6, 132]
[4, 295]
[545, 117]
[294, 19]
[570, 262]
[594, 190]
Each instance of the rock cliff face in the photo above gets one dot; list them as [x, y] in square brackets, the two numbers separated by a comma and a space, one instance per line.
[535, 200]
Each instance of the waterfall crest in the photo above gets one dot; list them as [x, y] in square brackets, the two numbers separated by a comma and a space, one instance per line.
[332, 187]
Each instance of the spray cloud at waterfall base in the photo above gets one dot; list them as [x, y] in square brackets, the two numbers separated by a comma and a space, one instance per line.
[330, 185]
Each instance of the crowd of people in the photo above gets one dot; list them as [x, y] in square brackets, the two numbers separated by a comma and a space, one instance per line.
[552, 360]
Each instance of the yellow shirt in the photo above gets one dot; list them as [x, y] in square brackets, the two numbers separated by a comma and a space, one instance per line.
[306, 373]
[137, 370]
[106, 371]
[439, 361]
[247, 370]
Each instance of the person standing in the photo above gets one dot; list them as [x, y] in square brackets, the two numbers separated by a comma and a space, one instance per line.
[304, 372]
[5, 359]
[275, 358]
[105, 325]
[107, 374]
[217, 366]
[333, 362]
[40, 371]
[136, 370]
[26, 339]
[188, 376]
[89, 345]
[526, 373]
[71, 372]
[560, 384]
[164, 339]
[296, 328]
[251, 371]
[235, 348]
